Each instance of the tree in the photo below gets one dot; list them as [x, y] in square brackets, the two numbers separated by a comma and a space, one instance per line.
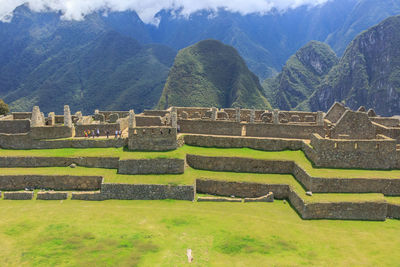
[3, 107]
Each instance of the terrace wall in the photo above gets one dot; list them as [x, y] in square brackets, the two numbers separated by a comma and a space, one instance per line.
[151, 166]
[147, 192]
[34, 162]
[53, 182]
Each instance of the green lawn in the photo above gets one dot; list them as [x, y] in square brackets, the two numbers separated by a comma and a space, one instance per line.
[157, 233]
[297, 156]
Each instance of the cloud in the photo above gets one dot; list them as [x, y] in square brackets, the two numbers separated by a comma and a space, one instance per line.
[147, 9]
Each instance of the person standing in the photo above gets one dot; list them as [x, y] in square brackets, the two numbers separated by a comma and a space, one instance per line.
[98, 132]
[107, 133]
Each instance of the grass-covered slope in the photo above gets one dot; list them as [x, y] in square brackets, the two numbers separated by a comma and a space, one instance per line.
[158, 233]
[210, 73]
[300, 76]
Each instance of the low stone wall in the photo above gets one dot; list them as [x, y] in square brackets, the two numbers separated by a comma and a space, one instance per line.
[371, 211]
[393, 211]
[23, 195]
[239, 142]
[91, 196]
[210, 127]
[240, 189]
[147, 192]
[33, 162]
[14, 126]
[297, 131]
[52, 182]
[52, 195]
[388, 122]
[151, 166]
[234, 164]
[389, 187]
[51, 132]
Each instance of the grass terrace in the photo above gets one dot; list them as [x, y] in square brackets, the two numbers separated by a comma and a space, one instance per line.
[158, 233]
[297, 156]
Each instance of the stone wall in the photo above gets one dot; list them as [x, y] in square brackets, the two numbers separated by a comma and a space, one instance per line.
[15, 126]
[91, 196]
[392, 132]
[22, 195]
[21, 115]
[151, 166]
[353, 125]
[388, 122]
[34, 162]
[210, 127]
[152, 138]
[314, 184]
[240, 189]
[147, 192]
[371, 211]
[160, 113]
[365, 154]
[148, 121]
[328, 210]
[270, 144]
[192, 110]
[51, 132]
[52, 182]
[239, 164]
[393, 211]
[335, 112]
[49, 195]
[103, 127]
[297, 131]
[121, 114]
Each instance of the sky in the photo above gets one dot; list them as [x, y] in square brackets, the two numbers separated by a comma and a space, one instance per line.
[147, 9]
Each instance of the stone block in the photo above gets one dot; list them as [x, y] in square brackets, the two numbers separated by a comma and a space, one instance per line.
[218, 199]
[20, 195]
[267, 198]
[52, 195]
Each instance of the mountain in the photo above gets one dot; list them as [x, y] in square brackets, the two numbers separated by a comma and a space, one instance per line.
[210, 73]
[49, 62]
[300, 76]
[368, 74]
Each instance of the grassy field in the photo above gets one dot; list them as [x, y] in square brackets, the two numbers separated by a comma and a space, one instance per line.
[157, 233]
[297, 156]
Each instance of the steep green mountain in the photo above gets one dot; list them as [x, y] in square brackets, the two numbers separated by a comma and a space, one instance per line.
[210, 73]
[87, 65]
[368, 73]
[300, 76]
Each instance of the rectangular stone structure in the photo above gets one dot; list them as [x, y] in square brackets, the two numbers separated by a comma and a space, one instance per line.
[20, 195]
[52, 195]
[151, 166]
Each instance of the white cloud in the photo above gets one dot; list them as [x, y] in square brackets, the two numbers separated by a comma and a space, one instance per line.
[147, 9]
